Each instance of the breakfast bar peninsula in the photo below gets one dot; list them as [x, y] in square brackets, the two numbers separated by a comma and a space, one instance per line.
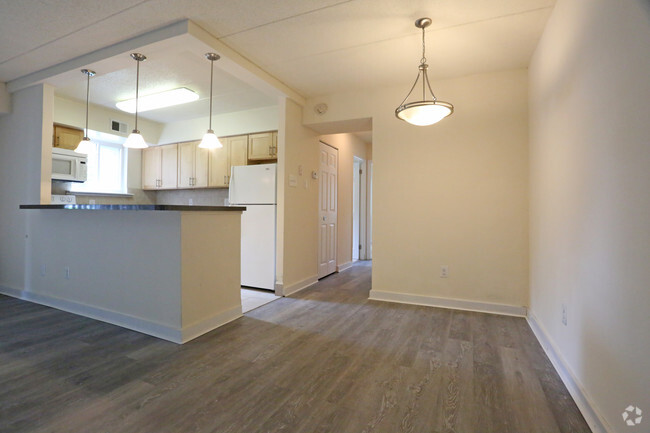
[168, 271]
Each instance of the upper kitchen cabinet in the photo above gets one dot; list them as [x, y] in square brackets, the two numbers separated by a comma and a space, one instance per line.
[66, 137]
[233, 153]
[160, 167]
[263, 146]
[192, 165]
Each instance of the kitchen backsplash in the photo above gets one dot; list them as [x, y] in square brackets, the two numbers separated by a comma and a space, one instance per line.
[198, 197]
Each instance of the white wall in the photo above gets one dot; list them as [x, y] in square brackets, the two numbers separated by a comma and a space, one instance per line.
[5, 99]
[590, 205]
[451, 194]
[24, 132]
[240, 122]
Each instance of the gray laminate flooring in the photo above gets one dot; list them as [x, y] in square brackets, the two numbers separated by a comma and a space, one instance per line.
[324, 360]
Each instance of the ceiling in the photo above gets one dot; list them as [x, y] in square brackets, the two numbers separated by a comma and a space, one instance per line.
[315, 47]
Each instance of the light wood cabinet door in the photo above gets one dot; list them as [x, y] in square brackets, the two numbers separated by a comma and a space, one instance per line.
[238, 148]
[261, 146]
[201, 164]
[168, 166]
[219, 167]
[151, 165]
[66, 137]
[186, 164]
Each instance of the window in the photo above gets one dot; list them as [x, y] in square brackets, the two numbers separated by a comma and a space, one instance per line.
[107, 166]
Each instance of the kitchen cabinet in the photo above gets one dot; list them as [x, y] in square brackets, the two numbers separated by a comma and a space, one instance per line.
[66, 137]
[234, 152]
[192, 165]
[263, 146]
[160, 167]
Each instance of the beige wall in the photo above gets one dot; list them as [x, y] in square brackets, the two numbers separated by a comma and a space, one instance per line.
[590, 205]
[450, 194]
[348, 146]
[297, 205]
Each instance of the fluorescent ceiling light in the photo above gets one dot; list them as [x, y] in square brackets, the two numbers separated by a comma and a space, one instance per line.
[164, 99]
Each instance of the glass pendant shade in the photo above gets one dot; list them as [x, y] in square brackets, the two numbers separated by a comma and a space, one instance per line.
[135, 141]
[210, 141]
[428, 110]
[85, 146]
[424, 113]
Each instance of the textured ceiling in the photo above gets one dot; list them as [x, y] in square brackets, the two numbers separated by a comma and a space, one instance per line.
[314, 46]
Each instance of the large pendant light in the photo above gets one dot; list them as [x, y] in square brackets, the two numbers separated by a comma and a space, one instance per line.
[85, 145]
[429, 110]
[210, 139]
[135, 139]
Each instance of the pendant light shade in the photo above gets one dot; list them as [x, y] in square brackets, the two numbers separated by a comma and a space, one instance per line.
[135, 139]
[210, 139]
[85, 145]
[428, 110]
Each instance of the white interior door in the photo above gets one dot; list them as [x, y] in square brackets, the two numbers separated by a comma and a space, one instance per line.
[327, 209]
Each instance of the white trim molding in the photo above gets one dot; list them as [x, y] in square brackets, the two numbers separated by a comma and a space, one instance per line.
[144, 326]
[343, 267]
[456, 304]
[300, 285]
[206, 325]
[589, 411]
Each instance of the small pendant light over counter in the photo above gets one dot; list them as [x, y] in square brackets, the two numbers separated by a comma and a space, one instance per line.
[210, 139]
[85, 145]
[427, 111]
[135, 139]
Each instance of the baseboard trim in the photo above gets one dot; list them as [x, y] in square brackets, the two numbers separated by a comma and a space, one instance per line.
[344, 266]
[300, 285]
[589, 411]
[125, 321]
[456, 304]
[206, 325]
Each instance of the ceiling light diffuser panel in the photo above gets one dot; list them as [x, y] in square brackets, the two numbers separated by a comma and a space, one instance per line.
[155, 101]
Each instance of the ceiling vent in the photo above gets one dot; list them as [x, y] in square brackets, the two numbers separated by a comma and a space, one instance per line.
[120, 127]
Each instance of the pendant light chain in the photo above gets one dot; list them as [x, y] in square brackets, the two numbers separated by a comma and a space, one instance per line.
[423, 60]
[211, 75]
[137, 87]
[87, 99]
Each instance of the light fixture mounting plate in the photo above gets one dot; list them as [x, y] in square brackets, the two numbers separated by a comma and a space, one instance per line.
[212, 56]
[422, 23]
[138, 57]
[88, 72]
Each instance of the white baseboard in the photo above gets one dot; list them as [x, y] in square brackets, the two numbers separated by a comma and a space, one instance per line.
[113, 317]
[344, 266]
[300, 285]
[206, 325]
[456, 304]
[589, 411]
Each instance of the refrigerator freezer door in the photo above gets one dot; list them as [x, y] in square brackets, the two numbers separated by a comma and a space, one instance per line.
[252, 184]
[258, 247]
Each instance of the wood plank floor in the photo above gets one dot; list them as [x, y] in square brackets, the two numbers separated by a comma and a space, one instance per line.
[325, 360]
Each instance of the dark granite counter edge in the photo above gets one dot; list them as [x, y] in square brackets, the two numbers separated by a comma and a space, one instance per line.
[155, 207]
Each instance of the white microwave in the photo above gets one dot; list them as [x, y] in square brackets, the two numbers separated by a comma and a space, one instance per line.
[69, 166]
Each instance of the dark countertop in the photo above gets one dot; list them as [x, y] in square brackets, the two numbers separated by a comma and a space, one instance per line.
[158, 207]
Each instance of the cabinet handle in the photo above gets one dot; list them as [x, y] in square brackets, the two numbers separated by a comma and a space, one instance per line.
[225, 182]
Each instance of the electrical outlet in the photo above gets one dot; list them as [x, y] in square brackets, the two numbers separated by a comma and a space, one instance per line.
[191, 202]
[564, 315]
[67, 273]
[91, 201]
[444, 271]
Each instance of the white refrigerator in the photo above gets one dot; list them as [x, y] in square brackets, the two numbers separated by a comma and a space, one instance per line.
[254, 186]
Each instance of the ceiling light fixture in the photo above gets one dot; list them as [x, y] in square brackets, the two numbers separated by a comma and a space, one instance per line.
[85, 145]
[168, 98]
[135, 139]
[427, 111]
[210, 139]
